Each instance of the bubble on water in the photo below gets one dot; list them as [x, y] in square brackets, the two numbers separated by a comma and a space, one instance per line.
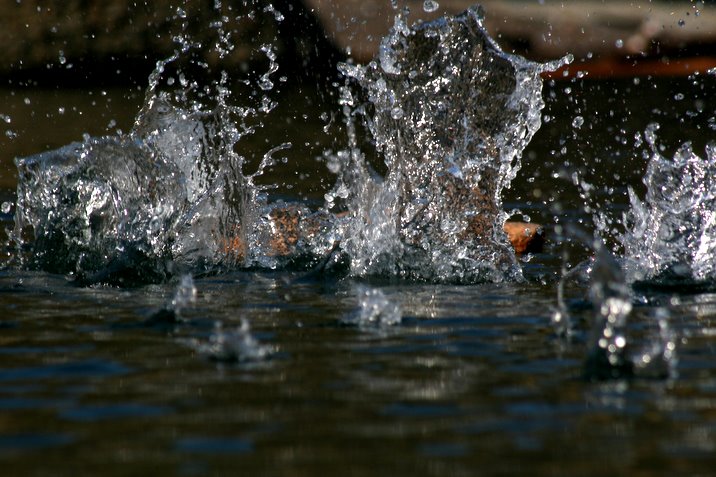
[577, 122]
[430, 6]
[374, 309]
[6, 207]
[619, 43]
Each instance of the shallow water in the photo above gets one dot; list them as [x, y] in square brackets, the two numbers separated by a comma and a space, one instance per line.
[472, 377]
[301, 373]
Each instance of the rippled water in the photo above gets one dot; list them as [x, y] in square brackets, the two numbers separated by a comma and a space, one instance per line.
[470, 377]
[297, 372]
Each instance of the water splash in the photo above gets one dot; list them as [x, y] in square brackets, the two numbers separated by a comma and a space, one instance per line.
[612, 300]
[184, 296]
[235, 346]
[449, 114]
[671, 235]
[375, 310]
[172, 196]
[622, 343]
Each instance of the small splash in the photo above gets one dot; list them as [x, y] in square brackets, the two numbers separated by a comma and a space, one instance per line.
[658, 358]
[184, 296]
[611, 297]
[671, 234]
[374, 310]
[622, 344]
[233, 346]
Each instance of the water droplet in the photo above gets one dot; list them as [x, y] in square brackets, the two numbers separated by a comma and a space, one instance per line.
[682, 22]
[430, 6]
[6, 207]
[679, 96]
[578, 122]
[619, 43]
[396, 113]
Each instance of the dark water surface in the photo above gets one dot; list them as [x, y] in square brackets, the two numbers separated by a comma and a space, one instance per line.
[474, 380]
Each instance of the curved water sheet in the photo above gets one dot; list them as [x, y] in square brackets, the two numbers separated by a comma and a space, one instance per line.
[670, 236]
[449, 113]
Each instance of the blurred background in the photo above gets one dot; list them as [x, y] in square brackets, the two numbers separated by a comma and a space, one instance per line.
[119, 41]
[74, 67]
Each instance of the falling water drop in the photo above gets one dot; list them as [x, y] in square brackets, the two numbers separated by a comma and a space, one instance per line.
[430, 6]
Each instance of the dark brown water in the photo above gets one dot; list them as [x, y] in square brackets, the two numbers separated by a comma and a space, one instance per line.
[474, 380]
